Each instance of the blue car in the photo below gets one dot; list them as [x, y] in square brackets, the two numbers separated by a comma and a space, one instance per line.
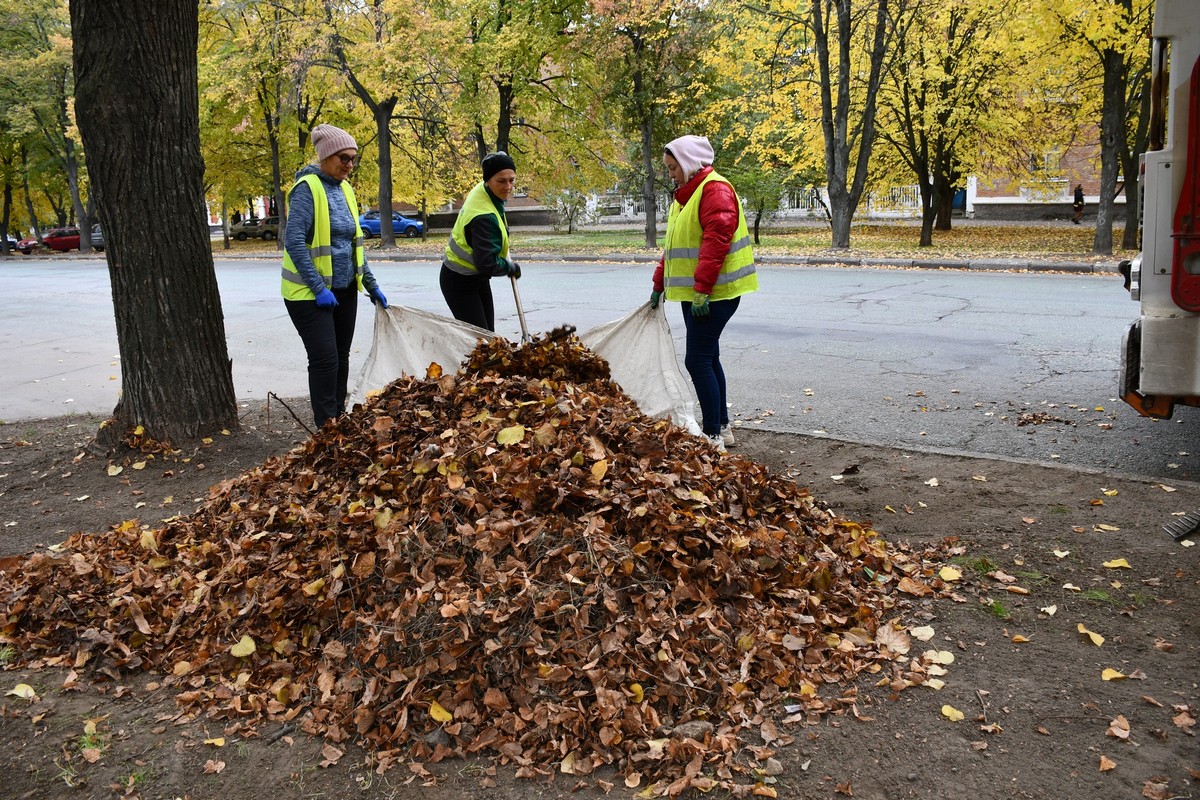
[401, 225]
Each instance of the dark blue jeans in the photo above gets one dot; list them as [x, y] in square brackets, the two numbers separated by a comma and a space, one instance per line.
[327, 334]
[703, 361]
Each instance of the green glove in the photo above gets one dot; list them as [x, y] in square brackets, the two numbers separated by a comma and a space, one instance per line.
[699, 305]
[654, 298]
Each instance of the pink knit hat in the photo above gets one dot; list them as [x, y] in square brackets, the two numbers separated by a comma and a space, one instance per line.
[329, 140]
[692, 153]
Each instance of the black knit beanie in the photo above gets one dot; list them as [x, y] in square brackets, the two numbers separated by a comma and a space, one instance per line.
[495, 162]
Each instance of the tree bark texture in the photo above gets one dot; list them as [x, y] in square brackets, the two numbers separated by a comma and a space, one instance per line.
[1112, 142]
[137, 107]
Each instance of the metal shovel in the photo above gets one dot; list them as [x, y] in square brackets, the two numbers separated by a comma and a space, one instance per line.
[525, 337]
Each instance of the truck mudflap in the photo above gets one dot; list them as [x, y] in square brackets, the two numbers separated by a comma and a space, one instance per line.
[1159, 406]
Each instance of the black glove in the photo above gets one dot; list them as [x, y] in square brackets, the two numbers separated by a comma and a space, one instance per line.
[512, 269]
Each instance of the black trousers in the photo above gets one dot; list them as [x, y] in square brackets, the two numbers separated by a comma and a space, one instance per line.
[327, 334]
[469, 298]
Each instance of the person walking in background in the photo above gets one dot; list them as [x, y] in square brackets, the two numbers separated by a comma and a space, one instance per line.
[1078, 204]
[707, 265]
[478, 246]
[324, 267]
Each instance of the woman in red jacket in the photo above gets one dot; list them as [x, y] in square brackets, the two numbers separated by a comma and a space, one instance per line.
[707, 265]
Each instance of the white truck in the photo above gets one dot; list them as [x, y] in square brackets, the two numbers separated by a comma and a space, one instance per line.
[1160, 355]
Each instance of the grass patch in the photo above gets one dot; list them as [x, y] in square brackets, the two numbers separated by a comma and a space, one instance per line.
[998, 610]
[8, 654]
[874, 239]
[980, 565]
[1098, 596]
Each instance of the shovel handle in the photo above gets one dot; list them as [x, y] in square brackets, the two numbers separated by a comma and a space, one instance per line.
[525, 337]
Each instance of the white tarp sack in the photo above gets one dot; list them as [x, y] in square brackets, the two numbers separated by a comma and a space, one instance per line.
[407, 341]
[641, 356]
[638, 348]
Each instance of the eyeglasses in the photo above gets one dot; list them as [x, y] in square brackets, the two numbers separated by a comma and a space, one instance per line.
[347, 161]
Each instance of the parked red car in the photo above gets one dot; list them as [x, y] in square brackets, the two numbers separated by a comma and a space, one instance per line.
[62, 240]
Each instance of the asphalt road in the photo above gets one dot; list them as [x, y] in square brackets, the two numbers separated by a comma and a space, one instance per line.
[1009, 365]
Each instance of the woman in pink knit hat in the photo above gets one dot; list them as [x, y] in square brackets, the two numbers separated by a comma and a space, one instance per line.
[707, 265]
[324, 267]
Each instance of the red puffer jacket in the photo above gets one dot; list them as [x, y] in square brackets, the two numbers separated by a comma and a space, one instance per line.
[718, 219]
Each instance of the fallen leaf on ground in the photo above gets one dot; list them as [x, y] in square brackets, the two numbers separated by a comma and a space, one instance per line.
[953, 714]
[1096, 638]
[1107, 764]
[1110, 674]
[1117, 563]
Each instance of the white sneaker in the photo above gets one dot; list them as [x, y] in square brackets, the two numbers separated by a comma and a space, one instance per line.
[728, 437]
[717, 442]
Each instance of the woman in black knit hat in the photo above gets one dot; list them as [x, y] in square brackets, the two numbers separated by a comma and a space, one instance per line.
[478, 246]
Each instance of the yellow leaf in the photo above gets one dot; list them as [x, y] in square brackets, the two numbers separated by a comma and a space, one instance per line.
[1109, 528]
[762, 790]
[1117, 563]
[1110, 492]
[438, 712]
[1110, 674]
[511, 434]
[949, 574]
[979, 478]
[938, 657]
[953, 714]
[1062, 553]
[1070, 587]
[1019, 639]
[313, 587]
[889, 508]
[638, 693]
[1096, 638]
[924, 633]
[148, 541]
[244, 647]
[1107, 764]
[22, 690]
[600, 469]
[216, 742]
[139, 465]
[1049, 611]
[115, 469]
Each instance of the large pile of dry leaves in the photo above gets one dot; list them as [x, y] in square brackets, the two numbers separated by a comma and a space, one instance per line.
[511, 560]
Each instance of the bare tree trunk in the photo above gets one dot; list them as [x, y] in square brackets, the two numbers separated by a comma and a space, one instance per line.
[1112, 139]
[848, 142]
[649, 196]
[137, 104]
[383, 121]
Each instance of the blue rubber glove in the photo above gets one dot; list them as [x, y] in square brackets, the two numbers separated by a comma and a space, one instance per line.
[377, 297]
[700, 305]
[326, 299]
[654, 298]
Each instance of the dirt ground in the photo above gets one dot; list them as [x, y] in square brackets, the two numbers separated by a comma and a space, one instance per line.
[1046, 551]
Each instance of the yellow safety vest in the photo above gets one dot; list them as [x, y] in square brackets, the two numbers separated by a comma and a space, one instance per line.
[682, 252]
[320, 249]
[459, 257]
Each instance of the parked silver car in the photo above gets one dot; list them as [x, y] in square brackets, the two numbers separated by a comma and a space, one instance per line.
[255, 228]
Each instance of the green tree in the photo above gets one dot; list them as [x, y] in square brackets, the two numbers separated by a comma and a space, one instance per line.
[136, 87]
[651, 53]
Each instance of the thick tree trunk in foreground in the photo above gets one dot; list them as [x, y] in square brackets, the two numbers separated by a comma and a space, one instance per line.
[138, 112]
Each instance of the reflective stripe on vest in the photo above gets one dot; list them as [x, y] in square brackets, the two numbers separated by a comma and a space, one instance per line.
[738, 275]
[459, 257]
[320, 250]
